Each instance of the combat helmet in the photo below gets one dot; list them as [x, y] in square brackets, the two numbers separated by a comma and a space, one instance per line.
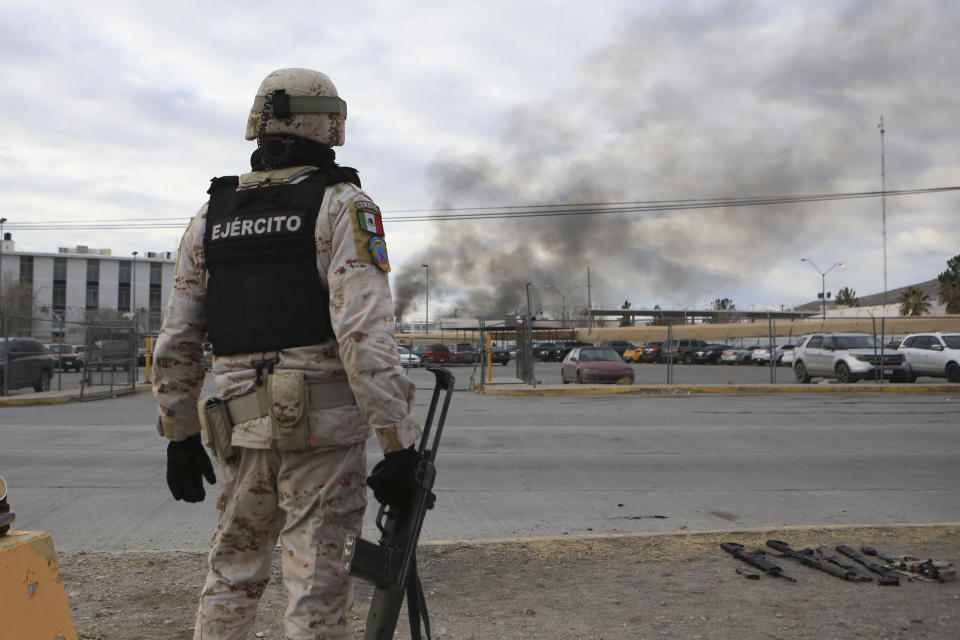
[298, 102]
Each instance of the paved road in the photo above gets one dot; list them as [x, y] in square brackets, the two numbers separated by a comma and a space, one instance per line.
[93, 473]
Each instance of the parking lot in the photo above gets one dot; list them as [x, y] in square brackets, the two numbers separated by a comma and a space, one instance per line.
[549, 373]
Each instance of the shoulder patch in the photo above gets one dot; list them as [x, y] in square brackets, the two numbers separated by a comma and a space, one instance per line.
[378, 251]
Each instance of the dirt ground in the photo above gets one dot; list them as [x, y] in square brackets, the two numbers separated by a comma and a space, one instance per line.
[679, 586]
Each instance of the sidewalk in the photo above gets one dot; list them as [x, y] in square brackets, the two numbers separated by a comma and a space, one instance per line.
[33, 398]
[519, 388]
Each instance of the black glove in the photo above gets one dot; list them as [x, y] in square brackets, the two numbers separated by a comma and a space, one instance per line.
[187, 465]
[392, 479]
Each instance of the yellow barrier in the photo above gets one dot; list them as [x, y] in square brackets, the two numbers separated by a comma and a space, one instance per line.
[32, 594]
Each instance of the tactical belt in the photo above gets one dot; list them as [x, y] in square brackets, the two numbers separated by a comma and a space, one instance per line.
[326, 395]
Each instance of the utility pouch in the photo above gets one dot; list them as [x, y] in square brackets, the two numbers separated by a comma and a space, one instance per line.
[289, 420]
[216, 428]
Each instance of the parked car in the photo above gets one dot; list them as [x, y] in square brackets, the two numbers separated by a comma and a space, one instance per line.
[541, 350]
[786, 359]
[710, 354]
[31, 365]
[848, 357]
[499, 355]
[435, 353]
[408, 358]
[620, 346]
[595, 364]
[111, 354]
[65, 357]
[651, 352]
[738, 355]
[463, 353]
[563, 348]
[761, 356]
[681, 350]
[932, 354]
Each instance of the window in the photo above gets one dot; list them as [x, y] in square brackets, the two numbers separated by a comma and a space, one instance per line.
[123, 287]
[93, 284]
[59, 284]
[26, 270]
[815, 342]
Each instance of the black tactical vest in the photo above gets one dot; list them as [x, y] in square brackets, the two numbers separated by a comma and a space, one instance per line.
[264, 292]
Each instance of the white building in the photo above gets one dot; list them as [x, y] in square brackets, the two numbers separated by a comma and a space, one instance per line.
[81, 284]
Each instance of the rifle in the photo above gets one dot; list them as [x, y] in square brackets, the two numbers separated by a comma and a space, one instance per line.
[824, 552]
[887, 578]
[756, 558]
[391, 565]
[807, 557]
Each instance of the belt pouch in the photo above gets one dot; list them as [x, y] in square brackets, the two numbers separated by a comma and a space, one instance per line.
[289, 420]
[217, 428]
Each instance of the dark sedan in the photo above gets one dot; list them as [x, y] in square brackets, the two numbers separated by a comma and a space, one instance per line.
[709, 354]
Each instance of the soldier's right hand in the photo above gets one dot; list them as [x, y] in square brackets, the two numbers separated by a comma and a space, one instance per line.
[393, 479]
[187, 465]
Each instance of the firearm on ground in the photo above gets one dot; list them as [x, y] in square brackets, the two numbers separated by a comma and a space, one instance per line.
[756, 558]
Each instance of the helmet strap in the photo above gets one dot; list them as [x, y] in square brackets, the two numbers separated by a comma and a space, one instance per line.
[275, 152]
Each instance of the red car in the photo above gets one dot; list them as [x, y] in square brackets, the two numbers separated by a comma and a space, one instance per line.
[436, 353]
[596, 365]
[66, 357]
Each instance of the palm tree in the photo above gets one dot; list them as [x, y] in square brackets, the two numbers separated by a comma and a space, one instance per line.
[847, 297]
[950, 286]
[914, 302]
[950, 296]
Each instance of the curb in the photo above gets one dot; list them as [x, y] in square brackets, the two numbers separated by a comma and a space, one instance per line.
[905, 526]
[685, 389]
[63, 397]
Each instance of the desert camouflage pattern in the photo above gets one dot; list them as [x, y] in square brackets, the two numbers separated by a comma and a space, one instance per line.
[311, 501]
[365, 353]
[326, 128]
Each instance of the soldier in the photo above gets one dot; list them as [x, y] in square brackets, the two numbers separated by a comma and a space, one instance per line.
[284, 271]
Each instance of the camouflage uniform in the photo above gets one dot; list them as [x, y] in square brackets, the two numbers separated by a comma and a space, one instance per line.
[311, 499]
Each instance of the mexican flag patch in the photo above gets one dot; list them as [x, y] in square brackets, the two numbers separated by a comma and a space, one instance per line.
[370, 222]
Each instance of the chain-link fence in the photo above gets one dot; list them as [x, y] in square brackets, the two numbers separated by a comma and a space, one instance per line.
[98, 360]
[765, 343]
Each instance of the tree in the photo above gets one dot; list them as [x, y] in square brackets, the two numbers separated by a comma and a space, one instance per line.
[723, 304]
[847, 297]
[949, 294]
[625, 319]
[16, 304]
[914, 302]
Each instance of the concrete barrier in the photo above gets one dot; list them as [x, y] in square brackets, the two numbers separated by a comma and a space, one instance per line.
[31, 589]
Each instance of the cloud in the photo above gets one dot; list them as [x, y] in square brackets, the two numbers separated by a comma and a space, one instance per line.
[736, 98]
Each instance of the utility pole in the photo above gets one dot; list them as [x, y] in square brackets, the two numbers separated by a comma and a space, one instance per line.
[426, 321]
[883, 206]
[589, 302]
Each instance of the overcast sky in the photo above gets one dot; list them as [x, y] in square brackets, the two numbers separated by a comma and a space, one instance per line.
[124, 111]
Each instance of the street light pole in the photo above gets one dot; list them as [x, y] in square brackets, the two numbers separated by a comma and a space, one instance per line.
[426, 321]
[563, 304]
[133, 288]
[2, 220]
[823, 283]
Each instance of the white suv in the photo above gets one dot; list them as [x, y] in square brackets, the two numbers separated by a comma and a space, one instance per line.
[932, 354]
[848, 357]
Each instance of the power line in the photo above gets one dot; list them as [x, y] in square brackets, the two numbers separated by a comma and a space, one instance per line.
[513, 211]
